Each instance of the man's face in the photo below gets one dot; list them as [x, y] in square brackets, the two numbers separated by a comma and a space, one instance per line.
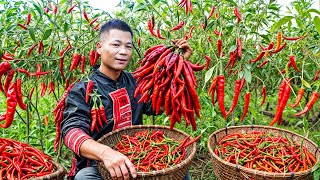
[115, 49]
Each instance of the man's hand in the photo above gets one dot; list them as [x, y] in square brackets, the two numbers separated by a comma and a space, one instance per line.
[183, 44]
[118, 165]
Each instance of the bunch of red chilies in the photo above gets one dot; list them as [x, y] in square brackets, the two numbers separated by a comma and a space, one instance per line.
[21, 161]
[58, 116]
[168, 80]
[264, 152]
[152, 150]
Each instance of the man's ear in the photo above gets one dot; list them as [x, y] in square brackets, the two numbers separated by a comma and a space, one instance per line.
[98, 47]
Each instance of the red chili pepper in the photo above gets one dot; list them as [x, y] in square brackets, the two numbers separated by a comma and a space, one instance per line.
[293, 38]
[299, 97]
[28, 19]
[50, 50]
[94, 119]
[246, 106]
[208, 59]
[23, 26]
[258, 57]
[96, 57]
[39, 69]
[190, 31]
[23, 71]
[150, 28]
[159, 34]
[220, 94]
[21, 104]
[312, 101]
[51, 87]
[316, 77]
[211, 12]
[243, 80]
[152, 22]
[85, 15]
[264, 95]
[139, 41]
[236, 12]
[9, 78]
[71, 8]
[284, 95]
[239, 48]
[103, 113]
[83, 61]
[216, 32]
[43, 89]
[89, 89]
[11, 105]
[177, 27]
[237, 91]
[203, 26]
[263, 63]
[91, 57]
[31, 48]
[279, 38]
[212, 89]
[31, 92]
[55, 9]
[46, 9]
[6, 56]
[293, 63]
[219, 46]
[96, 27]
[93, 21]
[40, 47]
[75, 61]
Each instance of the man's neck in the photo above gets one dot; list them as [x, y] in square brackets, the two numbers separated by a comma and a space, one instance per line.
[114, 75]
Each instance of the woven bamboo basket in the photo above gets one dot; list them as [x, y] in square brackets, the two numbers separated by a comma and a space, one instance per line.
[176, 172]
[225, 170]
[58, 174]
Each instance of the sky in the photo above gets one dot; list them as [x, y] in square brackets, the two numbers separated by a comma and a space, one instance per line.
[109, 5]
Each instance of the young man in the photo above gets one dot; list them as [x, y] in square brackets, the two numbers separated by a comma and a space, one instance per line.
[116, 88]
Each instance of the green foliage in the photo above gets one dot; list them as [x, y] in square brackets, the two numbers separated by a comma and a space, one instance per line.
[259, 26]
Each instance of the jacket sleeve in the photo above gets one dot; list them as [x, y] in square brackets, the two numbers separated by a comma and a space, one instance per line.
[77, 111]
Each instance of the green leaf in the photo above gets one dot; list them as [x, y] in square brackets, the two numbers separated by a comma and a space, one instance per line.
[154, 2]
[233, 48]
[299, 23]
[21, 41]
[250, 2]
[281, 22]
[208, 75]
[200, 46]
[140, 8]
[49, 18]
[306, 84]
[314, 11]
[37, 8]
[65, 27]
[247, 75]
[46, 34]
[31, 33]
[316, 22]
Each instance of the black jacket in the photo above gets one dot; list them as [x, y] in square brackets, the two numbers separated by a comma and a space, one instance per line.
[77, 111]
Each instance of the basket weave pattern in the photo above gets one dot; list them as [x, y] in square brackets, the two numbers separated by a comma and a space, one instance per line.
[173, 173]
[225, 170]
[56, 175]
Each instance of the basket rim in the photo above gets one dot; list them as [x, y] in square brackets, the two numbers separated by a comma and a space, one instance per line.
[165, 170]
[60, 171]
[248, 170]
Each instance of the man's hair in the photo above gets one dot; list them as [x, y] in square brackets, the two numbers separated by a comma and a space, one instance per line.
[115, 24]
